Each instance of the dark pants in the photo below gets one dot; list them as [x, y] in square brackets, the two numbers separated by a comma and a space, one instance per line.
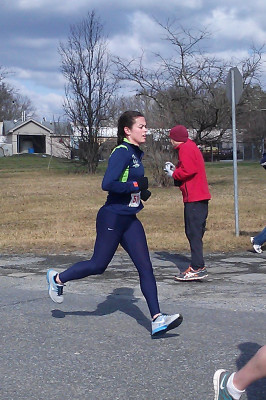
[112, 230]
[195, 216]
[260, 238]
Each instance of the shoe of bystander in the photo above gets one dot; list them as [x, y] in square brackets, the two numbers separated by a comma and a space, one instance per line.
[192, 275]
[256, 247]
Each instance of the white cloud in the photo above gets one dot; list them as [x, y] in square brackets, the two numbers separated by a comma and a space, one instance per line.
[48, 104]
[65, 6]
[143, 34]
[39, 79]
[144, 27]
[76, 7]
[34, 42]
[228, 55]
[45, 90]
[230, 24]
[154, 4]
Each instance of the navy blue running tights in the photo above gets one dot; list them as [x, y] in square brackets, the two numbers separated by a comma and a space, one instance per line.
[112, 230]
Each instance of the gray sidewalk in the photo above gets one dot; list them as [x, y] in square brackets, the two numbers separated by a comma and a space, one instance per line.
[97, 344]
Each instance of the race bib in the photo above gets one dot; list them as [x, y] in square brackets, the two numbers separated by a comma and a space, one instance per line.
[135, 200]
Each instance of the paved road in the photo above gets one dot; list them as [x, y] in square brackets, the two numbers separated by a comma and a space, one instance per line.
[97, 344]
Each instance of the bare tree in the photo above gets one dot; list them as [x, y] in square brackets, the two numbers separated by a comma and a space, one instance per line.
[189, 87]
[87, 67]
[7, 103]
[12, 103]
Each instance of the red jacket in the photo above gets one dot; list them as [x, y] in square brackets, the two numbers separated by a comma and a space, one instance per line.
[190, 170]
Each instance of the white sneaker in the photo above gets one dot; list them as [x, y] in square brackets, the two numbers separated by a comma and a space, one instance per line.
[55, 291]
[256, 247]
[164, 323]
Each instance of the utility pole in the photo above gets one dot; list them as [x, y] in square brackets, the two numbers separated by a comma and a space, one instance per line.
[234, 89]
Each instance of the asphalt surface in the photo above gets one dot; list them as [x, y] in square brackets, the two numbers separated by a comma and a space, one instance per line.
[97, 344]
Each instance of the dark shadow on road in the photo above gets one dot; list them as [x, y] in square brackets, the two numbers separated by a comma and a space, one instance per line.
[166, 335]
[121, 299]
[181, 262]
[257, 390]
[254, 252]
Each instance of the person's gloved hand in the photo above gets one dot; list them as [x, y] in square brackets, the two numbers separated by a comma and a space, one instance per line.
[143, 183]
[169, 168]
[145, 194]
[170, 164]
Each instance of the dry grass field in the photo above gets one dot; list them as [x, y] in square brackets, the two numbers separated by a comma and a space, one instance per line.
[53, 210]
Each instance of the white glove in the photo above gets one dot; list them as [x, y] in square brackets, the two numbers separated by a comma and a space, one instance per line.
[169, 168]
[172, 166]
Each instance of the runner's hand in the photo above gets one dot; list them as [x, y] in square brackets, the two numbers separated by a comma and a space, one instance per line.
[143, 183]
[145, 194]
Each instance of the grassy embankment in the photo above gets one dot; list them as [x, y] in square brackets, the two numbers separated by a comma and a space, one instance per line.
[53, 210]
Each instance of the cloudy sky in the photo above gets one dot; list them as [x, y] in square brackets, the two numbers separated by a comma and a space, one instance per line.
[32, 29]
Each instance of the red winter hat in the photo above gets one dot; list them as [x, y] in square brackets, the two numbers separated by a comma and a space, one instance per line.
[179, 133]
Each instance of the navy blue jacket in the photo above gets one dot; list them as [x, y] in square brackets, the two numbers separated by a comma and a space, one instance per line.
[120, 179]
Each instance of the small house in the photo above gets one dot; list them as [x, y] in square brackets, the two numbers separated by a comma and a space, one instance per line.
[30, 136]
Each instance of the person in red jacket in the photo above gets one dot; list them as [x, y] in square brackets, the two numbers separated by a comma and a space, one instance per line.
[190, 176]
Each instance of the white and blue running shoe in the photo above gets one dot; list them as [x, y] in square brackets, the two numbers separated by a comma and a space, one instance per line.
[164, 323]
[55, 291]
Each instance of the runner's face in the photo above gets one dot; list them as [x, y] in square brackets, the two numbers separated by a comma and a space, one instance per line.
[137, 134]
